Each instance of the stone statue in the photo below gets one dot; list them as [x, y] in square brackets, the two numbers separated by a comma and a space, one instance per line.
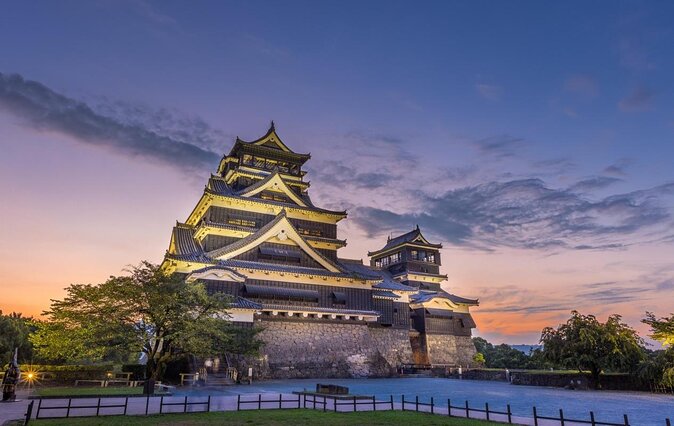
[11, 379]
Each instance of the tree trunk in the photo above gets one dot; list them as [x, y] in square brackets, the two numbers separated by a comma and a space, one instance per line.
[595, 372]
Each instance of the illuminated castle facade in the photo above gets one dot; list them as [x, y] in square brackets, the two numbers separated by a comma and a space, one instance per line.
[256, 235]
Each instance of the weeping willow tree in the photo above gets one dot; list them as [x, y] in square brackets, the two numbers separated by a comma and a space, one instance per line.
[146, 311]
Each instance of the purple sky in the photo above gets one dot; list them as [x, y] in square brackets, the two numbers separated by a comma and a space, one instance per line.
[535, 141]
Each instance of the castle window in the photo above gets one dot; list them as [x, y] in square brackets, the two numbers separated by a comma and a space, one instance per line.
[247, 160]
[241, 221]
[309, 231]
[274, 197]
[423, 256]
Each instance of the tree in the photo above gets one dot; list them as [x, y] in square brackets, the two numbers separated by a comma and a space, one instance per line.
[145, 312]
[662, 366]
[503, 356]
[478, 359]
[14, 332]
[586, 344]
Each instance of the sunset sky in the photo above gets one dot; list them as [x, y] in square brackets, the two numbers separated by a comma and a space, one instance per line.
[535, 140]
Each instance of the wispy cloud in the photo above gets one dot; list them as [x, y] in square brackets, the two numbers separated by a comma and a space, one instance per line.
[500, 146]
[595, 182]
[619, 168]
[44, 109]
[641, 98]
[489, 91]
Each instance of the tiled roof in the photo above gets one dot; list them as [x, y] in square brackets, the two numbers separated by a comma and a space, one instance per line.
[368, 272]
[338, 311]
[241, 303]
[185, 243]
[357, 267]
[278, 203]
[210, 267]
[425, 296]
[247, 239]
[385, 294]
[218, 185]
[404, 238]
[247, 264]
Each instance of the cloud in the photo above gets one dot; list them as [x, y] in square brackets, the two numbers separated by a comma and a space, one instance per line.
[639, 99]
[582, 85]
[46, 110]
[489, 91]
[619, 168]
[500, 146]
[595, 182]
[525, 214]
[611, 292]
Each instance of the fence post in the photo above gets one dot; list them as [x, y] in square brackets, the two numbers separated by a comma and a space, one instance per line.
[161, 404]
[185, 405]
[592, 422]
[208, 405]
[432, 409]
[147, 404]
[280, 401]
[98, 406]
[325, 403]
[355, 407]
[238, 403]
[392, 403]
[467, 410]
[535, 417]
[126, 404]
[510, 414]
[29, 413]
[626, 421]
[416, 404]
[68, 411]
[259, 401]
[486, 409]
[39, 404]
[304, 404]
[449, 407]
[403, 398]
[299, 401]
[561, 417]
[668, 422]
[374, 404]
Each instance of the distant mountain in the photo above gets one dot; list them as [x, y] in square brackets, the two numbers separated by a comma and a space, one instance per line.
[526, 348]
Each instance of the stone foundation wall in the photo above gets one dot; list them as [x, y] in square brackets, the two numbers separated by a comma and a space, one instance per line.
[448, 349]
[313, 349]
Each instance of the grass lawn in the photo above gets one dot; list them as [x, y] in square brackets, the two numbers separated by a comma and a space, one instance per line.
[88, 391]
[275, 418]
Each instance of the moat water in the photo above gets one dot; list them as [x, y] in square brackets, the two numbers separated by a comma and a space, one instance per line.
[609, 406]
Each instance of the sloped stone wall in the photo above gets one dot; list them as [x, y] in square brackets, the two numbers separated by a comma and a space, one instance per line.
[448, 349]
[304, 349]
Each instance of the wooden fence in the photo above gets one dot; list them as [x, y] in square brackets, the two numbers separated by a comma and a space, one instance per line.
[103, 407]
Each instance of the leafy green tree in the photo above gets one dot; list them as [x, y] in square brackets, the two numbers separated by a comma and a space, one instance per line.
[478, 359]
[661, 367]
[14, 332]
[503, 356]
[146, 312]
[586, 344]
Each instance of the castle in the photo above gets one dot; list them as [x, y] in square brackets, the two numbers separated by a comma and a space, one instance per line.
[256, 235]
